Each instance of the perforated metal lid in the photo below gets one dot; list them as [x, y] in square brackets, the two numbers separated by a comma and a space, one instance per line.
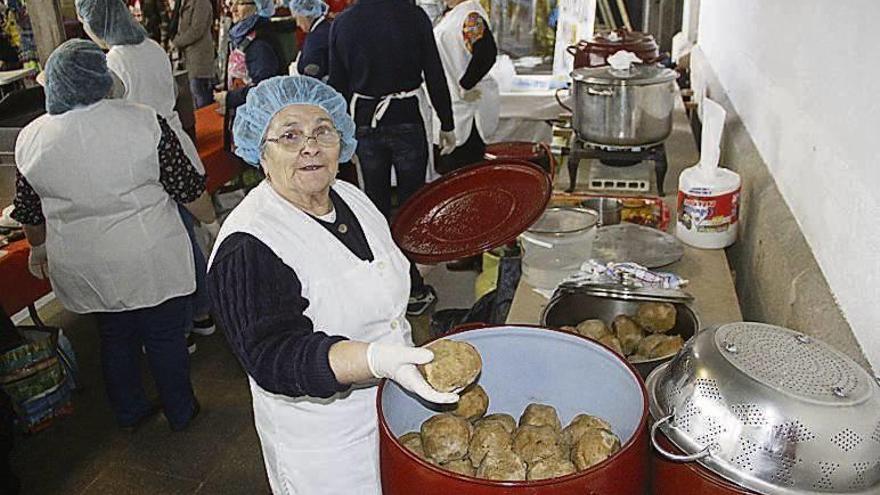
[772, 410]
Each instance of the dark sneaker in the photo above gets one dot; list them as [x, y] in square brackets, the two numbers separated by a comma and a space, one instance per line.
[197, 408]
[420, 303]
[203, 327]
[143, 419]
[190, 344]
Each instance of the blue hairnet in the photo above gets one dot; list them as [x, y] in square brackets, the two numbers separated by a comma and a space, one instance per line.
[270, 96]
[111, 21]
[308, 8]
[265, 8]
[76, 76]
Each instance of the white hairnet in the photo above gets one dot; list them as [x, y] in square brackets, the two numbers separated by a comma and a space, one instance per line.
[76, 76]
[111, 21]
[265, 8]
[270, 96]
[308, 8]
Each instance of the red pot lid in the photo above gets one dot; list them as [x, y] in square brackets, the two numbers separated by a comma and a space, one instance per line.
[471, 210]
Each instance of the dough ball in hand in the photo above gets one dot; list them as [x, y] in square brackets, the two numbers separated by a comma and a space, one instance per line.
[455, 366]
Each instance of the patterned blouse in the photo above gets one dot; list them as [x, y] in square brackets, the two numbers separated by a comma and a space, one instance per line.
[176, 174]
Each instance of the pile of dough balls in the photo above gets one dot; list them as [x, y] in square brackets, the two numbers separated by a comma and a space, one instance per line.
[468, 442]
[640, 337]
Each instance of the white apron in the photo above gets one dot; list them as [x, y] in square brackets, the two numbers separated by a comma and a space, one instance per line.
[455, 58]
[426, 112]
[114, 237]
[146, 73]
[327, 446]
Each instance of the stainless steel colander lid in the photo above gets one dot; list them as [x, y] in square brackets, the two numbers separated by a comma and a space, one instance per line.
[772, 410]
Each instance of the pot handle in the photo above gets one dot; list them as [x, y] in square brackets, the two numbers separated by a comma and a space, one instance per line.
[669, 455]
[572, 50]
[600, 92]
[559, 100]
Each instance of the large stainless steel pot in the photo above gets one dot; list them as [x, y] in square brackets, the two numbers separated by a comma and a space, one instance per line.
[623, 108]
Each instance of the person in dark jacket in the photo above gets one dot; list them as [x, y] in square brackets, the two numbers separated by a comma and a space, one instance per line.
[252, 58]
[381, 51]
[314, 57]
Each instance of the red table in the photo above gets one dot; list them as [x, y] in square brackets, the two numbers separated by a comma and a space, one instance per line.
[19, 289]
[220, 165]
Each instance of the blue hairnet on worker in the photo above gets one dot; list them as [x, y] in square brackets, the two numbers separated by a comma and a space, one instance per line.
[111, 21]
[265, 8]
[308, 8]
[76, 76]
[271, 95]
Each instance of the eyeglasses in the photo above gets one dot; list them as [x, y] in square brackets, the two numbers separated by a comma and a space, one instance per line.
[325, 136]
[239, 3]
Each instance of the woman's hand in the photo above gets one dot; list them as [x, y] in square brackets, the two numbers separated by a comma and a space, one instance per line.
[397, 362]
[38, 262]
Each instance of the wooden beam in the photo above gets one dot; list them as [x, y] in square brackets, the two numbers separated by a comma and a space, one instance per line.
[48, 27]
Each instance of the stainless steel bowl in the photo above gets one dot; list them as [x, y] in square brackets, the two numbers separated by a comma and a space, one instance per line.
[572, 304]
[771, 409]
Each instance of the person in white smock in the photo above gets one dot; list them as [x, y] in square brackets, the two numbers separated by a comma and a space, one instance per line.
[468, 51]
[312, 291]
[98, 187]
[145, 71]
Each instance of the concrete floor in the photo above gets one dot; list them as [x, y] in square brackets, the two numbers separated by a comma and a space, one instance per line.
[218, 454]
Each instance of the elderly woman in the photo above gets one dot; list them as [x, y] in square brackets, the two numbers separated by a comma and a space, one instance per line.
[145, 71]
[98, 186]
[314, 57]
[253, 57]
[312, 292]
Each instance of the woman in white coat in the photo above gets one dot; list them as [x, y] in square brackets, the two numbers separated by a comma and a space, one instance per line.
[468, 52]
[312, 293]
[98, 187]
[145, 71]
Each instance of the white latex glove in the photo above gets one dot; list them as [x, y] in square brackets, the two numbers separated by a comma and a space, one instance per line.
[447, 142]
[471, 95]
[38, 262]
[397, 362]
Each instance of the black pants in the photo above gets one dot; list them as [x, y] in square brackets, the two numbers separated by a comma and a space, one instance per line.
[403, 146]
[470, 152]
